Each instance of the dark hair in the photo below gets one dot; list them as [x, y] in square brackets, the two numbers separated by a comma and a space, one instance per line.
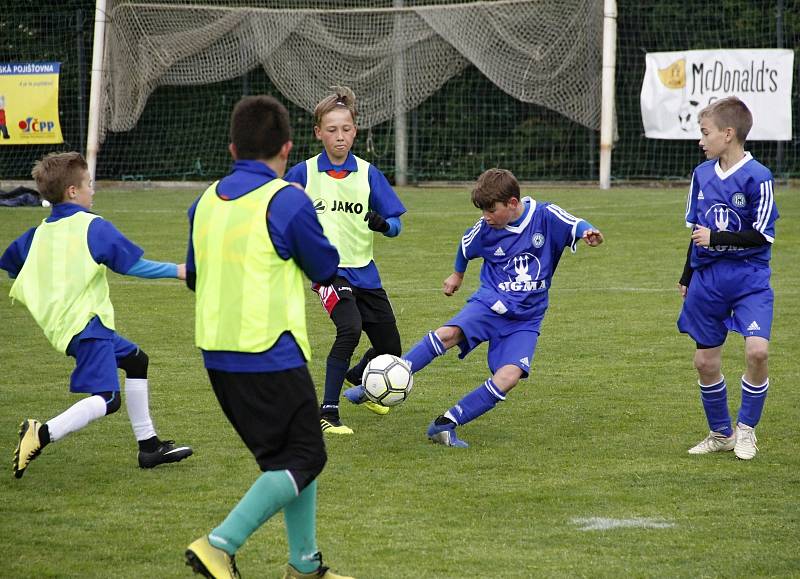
[730, 112]
[56, 172]
[494, 186]
[342, 97]
[259, 127]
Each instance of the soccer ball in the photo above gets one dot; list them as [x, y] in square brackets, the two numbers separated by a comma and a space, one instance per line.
[387, 380]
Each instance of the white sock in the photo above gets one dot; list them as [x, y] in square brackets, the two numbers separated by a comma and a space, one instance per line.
[136, 401]
[76, 417]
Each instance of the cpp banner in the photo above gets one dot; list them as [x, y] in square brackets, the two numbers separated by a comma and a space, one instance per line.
[677, 85]
[29, 103]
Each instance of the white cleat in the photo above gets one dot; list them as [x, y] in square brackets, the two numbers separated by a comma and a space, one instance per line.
[745, 448]
[714, 442]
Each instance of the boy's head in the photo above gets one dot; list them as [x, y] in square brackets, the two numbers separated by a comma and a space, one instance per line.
[724, 123]
[260, 129]
[64, 178]
[496, 194]
[335, 123]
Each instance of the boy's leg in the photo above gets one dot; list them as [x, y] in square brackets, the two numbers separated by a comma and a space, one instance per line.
[300, 516]
[510, 358]
[755, 384]
[276, 415]
[34, 436]
[152, 450]
[714, 397]
[385, 339]
[340, 303]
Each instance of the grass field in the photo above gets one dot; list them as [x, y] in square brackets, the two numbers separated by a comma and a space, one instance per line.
[600, 430]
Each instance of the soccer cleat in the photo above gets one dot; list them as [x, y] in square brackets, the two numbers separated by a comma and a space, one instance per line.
[321, 572]
[28, 446]
[332, 425]
[353, 376]
[357, 395]
[745, 447]
[714, 442]
[445, 434]
[205, 559]
[165, 453]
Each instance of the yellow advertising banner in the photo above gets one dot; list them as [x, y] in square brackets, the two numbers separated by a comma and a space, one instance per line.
[29, 103]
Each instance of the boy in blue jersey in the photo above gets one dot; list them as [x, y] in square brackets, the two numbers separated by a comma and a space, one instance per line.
[59, 269]
[725, 283]
[252, 237]
[520, 241]
[353, 199]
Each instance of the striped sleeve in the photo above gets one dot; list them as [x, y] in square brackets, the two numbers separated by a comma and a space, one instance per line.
[469, 237]
[691, 205]
[569, 221]
[766, 204]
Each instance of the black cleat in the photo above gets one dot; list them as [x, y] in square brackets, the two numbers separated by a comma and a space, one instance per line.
[165, 453]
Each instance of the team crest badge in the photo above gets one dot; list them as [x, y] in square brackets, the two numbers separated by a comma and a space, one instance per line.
[537, 240]
[739, 200]
[320, 206]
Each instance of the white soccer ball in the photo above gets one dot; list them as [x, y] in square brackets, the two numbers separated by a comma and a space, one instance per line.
[387, 380]
[45, 203]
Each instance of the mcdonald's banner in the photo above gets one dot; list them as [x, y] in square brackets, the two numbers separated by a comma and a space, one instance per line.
[29, 103]
[678, 85]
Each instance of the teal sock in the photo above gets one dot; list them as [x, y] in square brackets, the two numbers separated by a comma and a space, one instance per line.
[268, 495]
[301, 530]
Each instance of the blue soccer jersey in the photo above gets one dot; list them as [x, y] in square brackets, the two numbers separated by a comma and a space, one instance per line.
[520, 259]
[736, 200]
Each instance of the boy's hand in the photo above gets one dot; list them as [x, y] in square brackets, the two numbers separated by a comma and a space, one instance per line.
[701, 236]
[592, 237]
[452, 283]
[682, 289]
[375, 222]
[181, 271]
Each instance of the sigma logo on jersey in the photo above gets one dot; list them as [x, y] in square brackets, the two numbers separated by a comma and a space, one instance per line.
[739, 200]
[320, 206]
[520, 279]
[720, 217]
[537, 240]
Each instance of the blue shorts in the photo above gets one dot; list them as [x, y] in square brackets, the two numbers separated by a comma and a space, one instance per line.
[96, 363]
[511, 342]
[727, 296]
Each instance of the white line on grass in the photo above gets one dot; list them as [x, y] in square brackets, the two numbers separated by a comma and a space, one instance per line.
[604, 524]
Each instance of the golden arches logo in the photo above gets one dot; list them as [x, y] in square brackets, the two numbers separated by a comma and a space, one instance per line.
[674, 76]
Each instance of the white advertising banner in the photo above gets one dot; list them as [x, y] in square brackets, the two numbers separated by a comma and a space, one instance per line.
[677, 85]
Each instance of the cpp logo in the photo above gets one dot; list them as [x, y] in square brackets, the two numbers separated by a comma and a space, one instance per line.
[34, 125]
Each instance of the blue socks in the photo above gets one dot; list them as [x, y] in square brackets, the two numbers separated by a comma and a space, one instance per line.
[478, 402]
[424, 351]
[715, 404]
[271, 492]
[334, 379]
[753, 398]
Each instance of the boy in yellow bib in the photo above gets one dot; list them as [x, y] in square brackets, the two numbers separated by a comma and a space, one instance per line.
[353, 201]
[60, 270]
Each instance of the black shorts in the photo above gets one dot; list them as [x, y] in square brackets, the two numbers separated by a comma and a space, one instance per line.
[373, 304]
[276, 414]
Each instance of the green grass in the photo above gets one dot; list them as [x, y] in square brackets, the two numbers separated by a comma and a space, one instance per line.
[599, 430]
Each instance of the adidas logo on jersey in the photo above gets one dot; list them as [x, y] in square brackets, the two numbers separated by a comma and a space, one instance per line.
[499, 252]
[700, 196]
[525, 362]
[754, 327]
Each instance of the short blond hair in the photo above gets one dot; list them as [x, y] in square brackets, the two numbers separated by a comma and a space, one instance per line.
[56, 172]
[342, 98]
[730, 112]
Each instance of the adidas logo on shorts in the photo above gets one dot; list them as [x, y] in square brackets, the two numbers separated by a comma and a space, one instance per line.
[753, 327]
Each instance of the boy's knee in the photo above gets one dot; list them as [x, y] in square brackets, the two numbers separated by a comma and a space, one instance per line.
[113, 401]
[135, 364]
[757, 353]
[305, 476]
[449, 335]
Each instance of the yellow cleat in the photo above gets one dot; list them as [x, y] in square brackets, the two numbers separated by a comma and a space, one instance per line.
[379, 409]
[28, 446]
[332, 425]
[205, 559]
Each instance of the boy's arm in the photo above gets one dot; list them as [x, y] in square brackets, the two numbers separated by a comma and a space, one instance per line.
[589, 233]
[147, 269]
[686, 276]
[455, 279]
[296, 233]
[385, 207]
[14, 256]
